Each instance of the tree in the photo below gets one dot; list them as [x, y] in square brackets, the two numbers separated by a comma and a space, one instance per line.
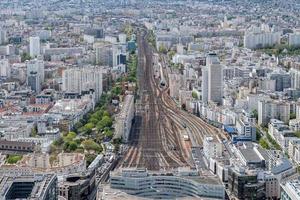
[70, 137]
[255, 114]
[72, 146]
[162, 49]
[108, 133]
[263, 143]
[25, 56]
[106, 121]
[194, 95]
[13, 159]
[293, 116]
[91, 145]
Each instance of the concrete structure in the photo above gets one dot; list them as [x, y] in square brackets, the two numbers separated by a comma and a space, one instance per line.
[294, 39]
[212, 147]
[104, 54]
[212, 80]
[290, 190]
[5, 68]
[37, 66]
[66, 163]
[124, 119]
[259, 38]
[80, 80]
[34, 46]
[29, 186]
[78, 186]
[246, 129]
[166, 185]
[272, 109]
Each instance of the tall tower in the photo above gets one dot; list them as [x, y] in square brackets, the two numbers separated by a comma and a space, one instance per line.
[34, 46]
[215, 78]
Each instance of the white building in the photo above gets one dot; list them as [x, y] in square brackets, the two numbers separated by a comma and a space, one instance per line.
[290, 190]
[271, 109]
[35, 74]
[212, 147]
[34, 46]
[3, 38]
[124, 119]
[83, 79]
[212, 80]
[5, 70]
[122, 38]
[258, 38]
[294, 39]
[246, 129]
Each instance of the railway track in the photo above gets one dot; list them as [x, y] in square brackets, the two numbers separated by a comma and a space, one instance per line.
[156, 137]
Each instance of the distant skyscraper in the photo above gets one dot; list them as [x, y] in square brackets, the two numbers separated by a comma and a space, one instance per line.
[104, 54]
[3, 38]
[5, 68]
[35, 74]
[33, 81]
[212, 80]
[34, 46]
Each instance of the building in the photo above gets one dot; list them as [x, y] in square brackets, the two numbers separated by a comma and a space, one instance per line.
[34, 46]
[212, 80]
[16, 147]
[124, 119]
[161, 185]
[104, 54]
[290, 190]
[282, 80]
[245, 129]
[294, 39]
[37, 66]
[5, 69]
[3, 36]
[272, 109]
[66, 163]
[33, 81]
[295, 78]
[80, 80]
[212, 147]
[245, 185]
[262, 37]
[78, 186]
[29, 186]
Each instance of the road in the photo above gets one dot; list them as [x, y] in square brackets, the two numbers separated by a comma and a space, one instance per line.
[157, 134]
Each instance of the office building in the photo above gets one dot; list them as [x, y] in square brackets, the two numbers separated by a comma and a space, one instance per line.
[104, 54]
[34, 46]
[3, 37]
[212, 80]
[33, 81]
[161, 185]
[282, 80]
[29, 186]
[245, 185]
[81, 186]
